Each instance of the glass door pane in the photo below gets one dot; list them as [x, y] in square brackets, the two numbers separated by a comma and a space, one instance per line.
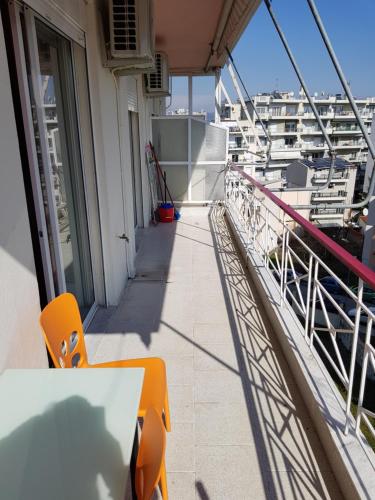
[135, 167]
[64, 166]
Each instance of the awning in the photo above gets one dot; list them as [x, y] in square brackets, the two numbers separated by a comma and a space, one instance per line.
[195, 33]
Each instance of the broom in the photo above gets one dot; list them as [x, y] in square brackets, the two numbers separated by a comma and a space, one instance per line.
[177, 214]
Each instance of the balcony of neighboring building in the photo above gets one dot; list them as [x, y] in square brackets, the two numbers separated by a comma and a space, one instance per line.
[326, 213]
[329, 196]
[337, 178]
[314, 146]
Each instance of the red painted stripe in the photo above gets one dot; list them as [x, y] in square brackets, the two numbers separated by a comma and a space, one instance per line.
[360, 269]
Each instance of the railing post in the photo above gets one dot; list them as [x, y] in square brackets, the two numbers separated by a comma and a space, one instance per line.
[266, 228]
[255, 225]
[354, 353]
[362, 384]
[286, 261]
[282, 259]
[248, 222]
[315, 284]
[308, 297]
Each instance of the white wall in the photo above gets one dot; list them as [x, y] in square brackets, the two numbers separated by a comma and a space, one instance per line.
[110, 122]
[113, 161]
[20, 336]
[108, 164]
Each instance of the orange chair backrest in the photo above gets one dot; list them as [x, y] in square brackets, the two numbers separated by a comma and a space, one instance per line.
[63, 332]
[150, 456]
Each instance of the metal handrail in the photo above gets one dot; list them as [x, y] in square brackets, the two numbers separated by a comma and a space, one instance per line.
[352, 263]
[304, 283]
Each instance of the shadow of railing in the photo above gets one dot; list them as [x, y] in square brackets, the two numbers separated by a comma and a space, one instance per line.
[290, 459]
[292, 462]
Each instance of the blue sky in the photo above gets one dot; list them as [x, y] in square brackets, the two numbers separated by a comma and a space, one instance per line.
[264, 65]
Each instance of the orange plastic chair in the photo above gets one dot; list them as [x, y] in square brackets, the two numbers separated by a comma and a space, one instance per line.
[63, 333]
[150, 466]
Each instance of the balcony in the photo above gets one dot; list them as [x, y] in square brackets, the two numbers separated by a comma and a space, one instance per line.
[306, 146]
[283, 114]
[326, 213]
[329, 196]
[253, 407]
[337, 178]
[344, 115]
[311, 307]
[350, 144]
[239, 423]
[276, 133]
[352, 130]
[310, 131]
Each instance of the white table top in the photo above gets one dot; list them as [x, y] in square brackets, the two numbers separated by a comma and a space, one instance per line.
[67, 434]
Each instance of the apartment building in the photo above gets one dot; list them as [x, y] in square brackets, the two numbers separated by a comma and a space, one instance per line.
[310, 174]
[294, 131]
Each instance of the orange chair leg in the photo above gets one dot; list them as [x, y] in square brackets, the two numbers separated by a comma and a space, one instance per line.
[163, 481]
[166, 413]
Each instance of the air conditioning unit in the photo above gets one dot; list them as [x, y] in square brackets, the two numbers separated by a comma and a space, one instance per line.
[157, 82]
[129, 35]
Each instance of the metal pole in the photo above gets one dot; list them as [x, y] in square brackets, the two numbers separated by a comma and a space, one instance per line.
[341, 75]
[246, 111]
[190, 111]
[343, 80]
[217, 95]
[190, 95]
[249, 98]
[311, 102]
[226, 95]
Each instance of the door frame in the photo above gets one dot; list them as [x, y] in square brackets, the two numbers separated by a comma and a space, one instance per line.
[15, 11]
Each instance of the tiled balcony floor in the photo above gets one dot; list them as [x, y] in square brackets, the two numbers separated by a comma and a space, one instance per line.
[240, 429]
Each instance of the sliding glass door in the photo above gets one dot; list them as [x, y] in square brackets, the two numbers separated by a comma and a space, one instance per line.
[60, 169]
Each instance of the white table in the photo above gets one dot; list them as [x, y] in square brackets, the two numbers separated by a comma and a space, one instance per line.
[67, 434]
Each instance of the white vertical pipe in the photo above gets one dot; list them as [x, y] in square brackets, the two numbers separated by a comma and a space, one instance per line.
[190, 108]
[190, 94]
[217, 95]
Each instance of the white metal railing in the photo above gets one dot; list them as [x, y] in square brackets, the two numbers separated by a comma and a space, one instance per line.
[332, 314]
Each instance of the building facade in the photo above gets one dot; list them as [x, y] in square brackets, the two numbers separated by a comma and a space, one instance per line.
[294, 131]
[310, 174]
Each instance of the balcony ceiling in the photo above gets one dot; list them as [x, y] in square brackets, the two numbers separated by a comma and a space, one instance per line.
[194, 33]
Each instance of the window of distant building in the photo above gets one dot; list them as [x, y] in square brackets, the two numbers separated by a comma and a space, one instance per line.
[323, 110]
[317, 155]
[290, 127]
[239, 142]
[289, 141]
[235, 158]
[275, 111]
[261, 110]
